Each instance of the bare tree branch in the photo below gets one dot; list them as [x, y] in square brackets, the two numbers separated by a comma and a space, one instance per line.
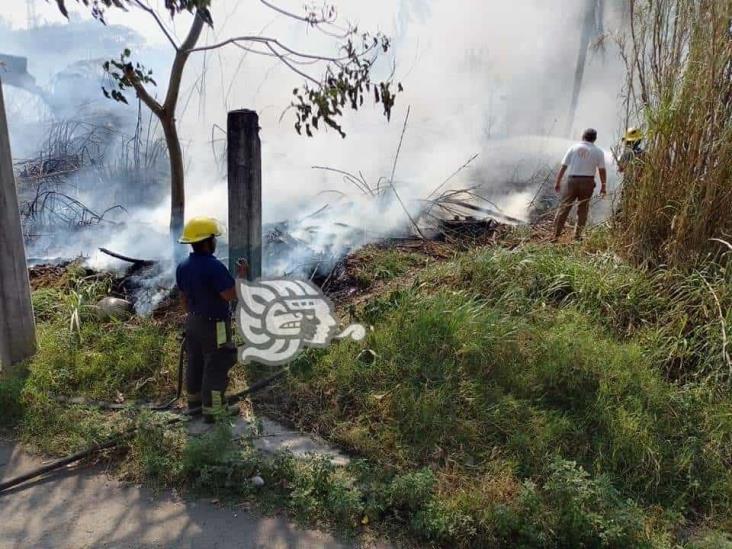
[289, 57]
[155, 16]
[310, 18]
[276, 42]
[142, 92]
[181, 56]
[293, 67]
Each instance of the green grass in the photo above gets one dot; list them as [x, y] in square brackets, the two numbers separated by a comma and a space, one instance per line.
[547, 367]
[535, 397]
[81, 356]
[675, 311]
[374, 264]
[11, 387]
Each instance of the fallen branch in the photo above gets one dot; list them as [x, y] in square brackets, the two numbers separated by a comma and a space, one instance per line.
[488, 211]
[140, 262]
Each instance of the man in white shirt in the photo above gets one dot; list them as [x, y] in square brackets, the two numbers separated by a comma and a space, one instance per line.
[580, 164]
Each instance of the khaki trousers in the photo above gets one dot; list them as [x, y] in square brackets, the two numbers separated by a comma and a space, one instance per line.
[578, 189]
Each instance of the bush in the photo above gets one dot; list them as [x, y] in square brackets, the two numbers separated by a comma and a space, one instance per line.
[590, 512]
[411, 491]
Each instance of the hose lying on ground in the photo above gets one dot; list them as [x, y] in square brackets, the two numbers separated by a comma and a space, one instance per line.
[115, 440]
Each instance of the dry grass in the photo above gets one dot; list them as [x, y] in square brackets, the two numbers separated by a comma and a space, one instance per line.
[679, 197]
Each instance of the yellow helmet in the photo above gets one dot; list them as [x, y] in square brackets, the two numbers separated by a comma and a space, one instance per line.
[199, 229]
[633, 135]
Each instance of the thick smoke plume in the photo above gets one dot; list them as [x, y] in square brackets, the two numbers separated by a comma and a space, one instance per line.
[487, 78]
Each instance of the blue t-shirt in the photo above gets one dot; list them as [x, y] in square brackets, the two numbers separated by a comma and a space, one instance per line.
[202, 278]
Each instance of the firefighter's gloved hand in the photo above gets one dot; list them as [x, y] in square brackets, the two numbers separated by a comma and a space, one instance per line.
[242, 268]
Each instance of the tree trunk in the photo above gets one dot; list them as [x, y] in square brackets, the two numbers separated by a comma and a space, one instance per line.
[587, 28]
[177, 175]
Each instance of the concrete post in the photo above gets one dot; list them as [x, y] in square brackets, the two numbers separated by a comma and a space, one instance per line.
[17, 328]
[245, 191]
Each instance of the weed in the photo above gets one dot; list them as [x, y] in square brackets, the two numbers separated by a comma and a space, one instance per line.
[156, 451]
[11, 387]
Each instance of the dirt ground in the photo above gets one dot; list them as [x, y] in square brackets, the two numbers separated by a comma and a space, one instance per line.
[79, 508]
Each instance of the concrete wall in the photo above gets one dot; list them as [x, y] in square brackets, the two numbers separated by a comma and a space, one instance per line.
[17, 328]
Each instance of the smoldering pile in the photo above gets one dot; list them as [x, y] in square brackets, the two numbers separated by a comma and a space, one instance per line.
[82, 181]
[315, 245]
[137, 289]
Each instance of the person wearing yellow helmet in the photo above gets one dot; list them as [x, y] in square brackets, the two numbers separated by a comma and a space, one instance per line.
[206, 289]
[632, 149]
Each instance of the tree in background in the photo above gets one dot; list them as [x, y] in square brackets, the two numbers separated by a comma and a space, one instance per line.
[591, 27]
[344, 81]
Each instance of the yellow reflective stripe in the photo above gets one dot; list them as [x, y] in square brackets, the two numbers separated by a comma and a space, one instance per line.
[220, 334]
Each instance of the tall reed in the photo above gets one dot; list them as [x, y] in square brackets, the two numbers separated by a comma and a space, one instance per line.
[678, 197]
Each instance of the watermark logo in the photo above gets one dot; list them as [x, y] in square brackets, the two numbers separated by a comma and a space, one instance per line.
[278, 318]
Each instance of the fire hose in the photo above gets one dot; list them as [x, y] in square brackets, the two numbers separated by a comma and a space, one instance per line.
[115, 440]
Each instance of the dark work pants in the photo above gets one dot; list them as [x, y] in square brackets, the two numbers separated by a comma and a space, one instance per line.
[211, 354]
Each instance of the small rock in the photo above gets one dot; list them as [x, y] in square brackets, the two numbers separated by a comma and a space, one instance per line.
[113, 308]
[257, 481]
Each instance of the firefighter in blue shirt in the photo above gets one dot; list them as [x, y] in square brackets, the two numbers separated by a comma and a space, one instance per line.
[206, 289]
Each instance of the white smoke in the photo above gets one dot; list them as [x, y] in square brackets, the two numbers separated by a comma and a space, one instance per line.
[492, 78]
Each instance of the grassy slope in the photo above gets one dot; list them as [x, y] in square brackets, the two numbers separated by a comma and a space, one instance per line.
[112, 361]
[542, 387]
[540, 396]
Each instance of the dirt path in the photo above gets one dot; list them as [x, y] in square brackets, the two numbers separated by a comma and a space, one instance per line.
[86, 508]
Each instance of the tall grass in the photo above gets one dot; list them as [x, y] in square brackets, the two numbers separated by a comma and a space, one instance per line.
[682, 317]
[494, 401]
[679, 59]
